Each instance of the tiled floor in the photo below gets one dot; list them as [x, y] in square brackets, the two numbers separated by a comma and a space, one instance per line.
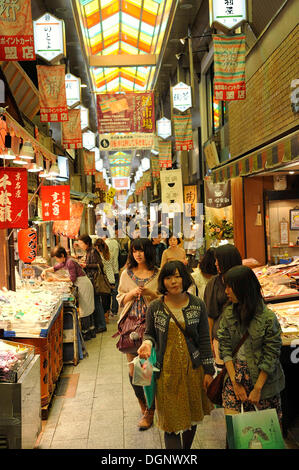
[103, 413]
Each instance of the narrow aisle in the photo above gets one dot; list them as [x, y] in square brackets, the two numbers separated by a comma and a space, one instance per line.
[99, 410]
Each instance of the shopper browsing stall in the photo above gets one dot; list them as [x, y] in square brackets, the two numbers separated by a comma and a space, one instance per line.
[181, 400]
[85, 288]
[255, 375]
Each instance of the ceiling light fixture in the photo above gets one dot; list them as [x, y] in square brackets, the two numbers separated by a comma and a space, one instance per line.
[8, 154]
[19, 161]
[27, 151]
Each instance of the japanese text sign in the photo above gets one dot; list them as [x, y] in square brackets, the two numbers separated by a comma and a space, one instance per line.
[190, 200]
[27, 244]
[229, 67]
[132, 112]
[164, 128]
[55, 202]
[228, 13]
[126, 141]
[218, 195]
[49, 37]
[181, 97]
[71, 130]
[73, 90]
[89, 162]
[16, 30]
[172, 190]
[13, 198]
[52, 94]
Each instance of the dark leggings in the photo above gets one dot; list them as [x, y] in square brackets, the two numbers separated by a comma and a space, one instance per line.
[173, 441]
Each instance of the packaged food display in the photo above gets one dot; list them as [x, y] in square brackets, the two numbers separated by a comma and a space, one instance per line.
[279, 280]
[14, 358]
[288, 317]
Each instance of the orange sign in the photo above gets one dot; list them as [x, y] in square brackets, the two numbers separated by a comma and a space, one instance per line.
[70, 228]
[71, 130]
[52, 94]
[27, 244]
[89, 162]
[16, 31]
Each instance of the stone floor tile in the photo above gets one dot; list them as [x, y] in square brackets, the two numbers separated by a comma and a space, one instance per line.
[70, 444]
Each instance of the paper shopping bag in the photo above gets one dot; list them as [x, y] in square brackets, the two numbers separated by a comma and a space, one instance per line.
[254, 430]
[150, 390]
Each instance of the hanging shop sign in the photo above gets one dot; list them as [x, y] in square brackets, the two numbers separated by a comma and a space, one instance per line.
[182, 124]
[89, 140]
[172, 190]
[52, 95]
[27, 244]
[190, 200]
[229, 67]
[137, 140]
[164, 128]
[89, 162]
[71, 130]
[155, 166]
[182, 97]
[227, 14]
[84, 113]
[70, 228]
[73, 90]
[131, 112]
[218, 195]
[211, 154]
[120, 183]
[55, 202]
[165, 157]
[49, 38]
[13, 198]
[16, 31]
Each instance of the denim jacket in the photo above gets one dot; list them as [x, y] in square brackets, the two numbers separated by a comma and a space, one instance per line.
[196, 326]
[262, 347]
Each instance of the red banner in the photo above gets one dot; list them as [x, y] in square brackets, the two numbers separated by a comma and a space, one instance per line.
[16, 30]
[52, 94]
[13, 198]
[129, 112]
[89, 162]
[70, 228]
[55, 202]
[71, 130]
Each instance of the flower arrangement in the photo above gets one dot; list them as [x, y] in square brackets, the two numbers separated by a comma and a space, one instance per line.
[220, 230]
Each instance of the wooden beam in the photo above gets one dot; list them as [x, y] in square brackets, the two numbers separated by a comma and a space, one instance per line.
[123, 60]
[24, 97]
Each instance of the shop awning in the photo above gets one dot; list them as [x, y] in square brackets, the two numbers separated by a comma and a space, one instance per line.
[278, 153]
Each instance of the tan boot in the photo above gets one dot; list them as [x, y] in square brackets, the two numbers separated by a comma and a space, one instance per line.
[146, 420]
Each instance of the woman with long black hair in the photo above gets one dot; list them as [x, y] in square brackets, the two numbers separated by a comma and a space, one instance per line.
[137, 288]
[255, 375]
[215, 297]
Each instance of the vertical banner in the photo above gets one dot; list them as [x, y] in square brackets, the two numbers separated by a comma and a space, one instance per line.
[172, 191]
[16, 30]
[155, 166]
[70, 228]
[132, 112]
[52, 94]
[13, 198]
[71, 130]
[89, 162]
[183, 131]
[229, 67]
[165, 158]
[190, 198]
[55, 202]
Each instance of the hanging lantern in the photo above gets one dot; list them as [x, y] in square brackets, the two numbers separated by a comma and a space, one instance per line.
[27, 245]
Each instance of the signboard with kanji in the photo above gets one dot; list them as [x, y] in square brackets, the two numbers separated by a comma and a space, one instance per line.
[172, 190]
[55, 202]
[164, 128]
[121, 182]
[129, 112]
[228, 14]
[181, 97]
[16, 30]
[13, 198]
[52, 94]
[190, 200]
[136, 140]
[71, 131]
[49, 38]
[73, 90]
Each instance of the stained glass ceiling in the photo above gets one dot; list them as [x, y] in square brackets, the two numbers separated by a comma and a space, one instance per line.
[122, 40]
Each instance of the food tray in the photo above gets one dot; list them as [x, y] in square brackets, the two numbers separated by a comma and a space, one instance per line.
[14, 374]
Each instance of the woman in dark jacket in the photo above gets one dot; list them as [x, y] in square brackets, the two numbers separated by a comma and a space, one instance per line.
[255, 375]
[215, 297]
[181, 400]
[91, 265]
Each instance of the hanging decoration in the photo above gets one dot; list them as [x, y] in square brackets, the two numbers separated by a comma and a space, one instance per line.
[13, 198]
[52, 94]
[183, 131]
[73, 90]
[165, 159]
[155, 166]
[71, 130]
[16, 31]
[229, 67]
[164, 128]
[172, 191]
[182, 97]
[132, 112]
[27, 244]
[49, 38]
[89, 162]
[55, 202]
[70, 228]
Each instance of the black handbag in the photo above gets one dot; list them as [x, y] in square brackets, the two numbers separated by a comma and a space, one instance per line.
[192, 348]
[214, 390]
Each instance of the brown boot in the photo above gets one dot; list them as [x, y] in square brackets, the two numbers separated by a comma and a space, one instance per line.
[142, 406]
[107, 317]
[146, 420]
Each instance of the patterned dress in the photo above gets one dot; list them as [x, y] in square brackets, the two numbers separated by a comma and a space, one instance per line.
[181, 401]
